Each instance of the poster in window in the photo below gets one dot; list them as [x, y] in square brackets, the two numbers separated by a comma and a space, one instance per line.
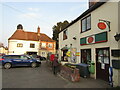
[106, 60]
[102, 66]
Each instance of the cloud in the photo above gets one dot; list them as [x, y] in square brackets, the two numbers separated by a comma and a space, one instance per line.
[75, 8]
[30, 15]
[33, 9]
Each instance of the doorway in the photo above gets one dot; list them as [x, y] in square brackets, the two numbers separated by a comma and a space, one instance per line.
[102, 63]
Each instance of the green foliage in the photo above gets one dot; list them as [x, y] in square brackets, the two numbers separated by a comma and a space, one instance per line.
[56, 29]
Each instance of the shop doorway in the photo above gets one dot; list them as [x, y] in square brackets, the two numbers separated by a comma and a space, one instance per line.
[102, 63]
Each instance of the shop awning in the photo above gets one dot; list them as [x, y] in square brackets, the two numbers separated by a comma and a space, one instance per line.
[64, 48]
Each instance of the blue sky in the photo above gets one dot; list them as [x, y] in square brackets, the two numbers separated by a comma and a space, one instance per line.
[34, 14]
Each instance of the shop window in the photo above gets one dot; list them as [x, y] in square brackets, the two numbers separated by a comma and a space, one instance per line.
[65, 34]
[19, 45]
[86, 56]
[86, 24]
[32, 45]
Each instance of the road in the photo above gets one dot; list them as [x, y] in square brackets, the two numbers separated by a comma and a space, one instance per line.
[27, 77]
[42, 77]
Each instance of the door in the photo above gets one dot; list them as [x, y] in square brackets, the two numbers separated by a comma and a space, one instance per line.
[102, 63]
[25, 60]
[16, 60]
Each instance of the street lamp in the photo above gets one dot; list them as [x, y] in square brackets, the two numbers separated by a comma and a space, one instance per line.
[117, 37]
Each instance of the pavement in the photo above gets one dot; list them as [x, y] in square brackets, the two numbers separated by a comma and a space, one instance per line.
[86, 83]
[42, 77]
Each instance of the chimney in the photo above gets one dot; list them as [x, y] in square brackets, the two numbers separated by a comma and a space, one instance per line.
[38, 31]
[93, 2]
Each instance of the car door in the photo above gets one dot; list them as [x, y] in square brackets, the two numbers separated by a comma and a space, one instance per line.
[16, 60]
[25, 60]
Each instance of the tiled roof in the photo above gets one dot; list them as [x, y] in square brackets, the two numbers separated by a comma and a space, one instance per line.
[31, 36]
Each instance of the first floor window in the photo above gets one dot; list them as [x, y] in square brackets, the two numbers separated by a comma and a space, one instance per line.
[32, 45]
[19, 45]
[50, 45]
[86, 24]
[43, 45]
[65, 34]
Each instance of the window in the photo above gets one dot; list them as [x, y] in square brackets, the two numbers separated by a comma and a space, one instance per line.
[24, 57]
[65, 34]
[86, 56]
[32, 45]
[19, 45]
[12, 57]
[86, 24]
[50, 45]
[43, 45]
[43, 53]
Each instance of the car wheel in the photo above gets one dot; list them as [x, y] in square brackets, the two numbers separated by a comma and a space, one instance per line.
[33, 65]
[7, 65]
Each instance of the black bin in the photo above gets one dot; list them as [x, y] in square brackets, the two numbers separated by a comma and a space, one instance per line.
[116, 64]
[83, 70]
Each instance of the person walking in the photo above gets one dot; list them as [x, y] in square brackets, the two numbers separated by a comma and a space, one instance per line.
[55, 65]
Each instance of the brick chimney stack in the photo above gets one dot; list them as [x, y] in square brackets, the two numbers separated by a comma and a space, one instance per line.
[93, 2]
[38, 31]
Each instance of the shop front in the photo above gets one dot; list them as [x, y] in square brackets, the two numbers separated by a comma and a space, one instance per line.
[97, 56]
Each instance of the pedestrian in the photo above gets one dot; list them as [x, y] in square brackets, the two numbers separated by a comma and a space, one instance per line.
[55, 65]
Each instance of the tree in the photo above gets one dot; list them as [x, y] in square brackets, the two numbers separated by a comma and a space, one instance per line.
[56, 29]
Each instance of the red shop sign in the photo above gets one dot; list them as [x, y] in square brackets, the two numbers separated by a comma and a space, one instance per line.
[101, 25]
[90, 39]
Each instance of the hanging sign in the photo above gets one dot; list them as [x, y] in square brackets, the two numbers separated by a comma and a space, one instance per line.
[104, 25]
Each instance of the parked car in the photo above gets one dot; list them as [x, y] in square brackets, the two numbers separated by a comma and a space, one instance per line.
[9, 61]
[41, 58]
[1, 55]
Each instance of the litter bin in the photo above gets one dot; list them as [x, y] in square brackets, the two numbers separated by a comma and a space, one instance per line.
[83, 70]
[92, 67]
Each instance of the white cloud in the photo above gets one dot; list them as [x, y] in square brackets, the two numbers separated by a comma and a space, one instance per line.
[30, 15]
[75, 8]
[33, 9]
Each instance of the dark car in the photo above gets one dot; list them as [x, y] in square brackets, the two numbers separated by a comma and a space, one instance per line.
[41, 58]
[9, 61]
